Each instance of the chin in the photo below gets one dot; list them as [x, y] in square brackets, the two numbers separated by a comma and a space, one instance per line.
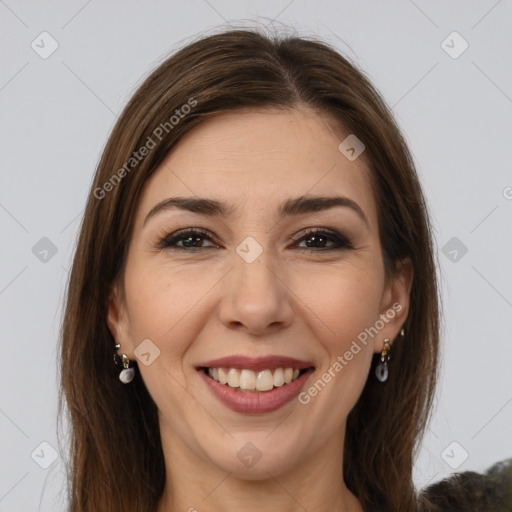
[257, 457]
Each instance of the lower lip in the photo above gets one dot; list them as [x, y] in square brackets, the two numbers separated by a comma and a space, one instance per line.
[256, 402]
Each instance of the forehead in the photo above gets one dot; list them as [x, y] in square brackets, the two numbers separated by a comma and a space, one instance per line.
[260, 158]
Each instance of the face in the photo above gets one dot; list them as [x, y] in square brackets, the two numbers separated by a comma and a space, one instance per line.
[256, 296]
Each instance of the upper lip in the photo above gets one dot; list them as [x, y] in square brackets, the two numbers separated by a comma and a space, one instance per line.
[257, 363]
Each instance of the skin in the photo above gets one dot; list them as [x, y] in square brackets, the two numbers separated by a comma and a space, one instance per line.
[198, 306]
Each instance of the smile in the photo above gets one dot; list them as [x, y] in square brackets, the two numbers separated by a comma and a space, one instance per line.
[249, 381]
[255, 386]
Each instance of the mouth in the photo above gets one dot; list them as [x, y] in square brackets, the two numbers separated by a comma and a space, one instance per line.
[255, 386]
[249, 381]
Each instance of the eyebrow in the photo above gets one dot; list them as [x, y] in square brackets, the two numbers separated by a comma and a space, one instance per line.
[297, 206]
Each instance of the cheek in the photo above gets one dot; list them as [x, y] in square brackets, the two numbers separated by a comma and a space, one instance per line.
[166, 305]
[163, 306]
[340, 303]
[339, 312]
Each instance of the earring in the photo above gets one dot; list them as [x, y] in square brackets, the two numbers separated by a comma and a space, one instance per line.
[128, 372]
[381, 371]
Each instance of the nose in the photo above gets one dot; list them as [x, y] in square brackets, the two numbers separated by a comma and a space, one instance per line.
[257, 296]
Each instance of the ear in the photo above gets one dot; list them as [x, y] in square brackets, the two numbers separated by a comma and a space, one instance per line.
[117, 319]
[395, 302]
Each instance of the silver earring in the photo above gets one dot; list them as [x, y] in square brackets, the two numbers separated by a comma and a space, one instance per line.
[128, 371]
[381, 372]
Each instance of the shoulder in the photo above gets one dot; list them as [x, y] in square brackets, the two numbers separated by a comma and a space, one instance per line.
[490, 491]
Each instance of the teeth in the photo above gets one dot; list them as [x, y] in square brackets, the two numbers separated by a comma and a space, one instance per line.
[233, 378]
[264, 381]
[248, 381]
[223, 376]
[278, 377]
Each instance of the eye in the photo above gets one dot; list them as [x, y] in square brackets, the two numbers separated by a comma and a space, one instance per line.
[191, 239]
[316, 240]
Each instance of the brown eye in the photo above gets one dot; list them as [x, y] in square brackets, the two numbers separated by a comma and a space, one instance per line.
[318, 239]
[190, 238]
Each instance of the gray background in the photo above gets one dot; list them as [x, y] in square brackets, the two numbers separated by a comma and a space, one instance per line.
[456, 115]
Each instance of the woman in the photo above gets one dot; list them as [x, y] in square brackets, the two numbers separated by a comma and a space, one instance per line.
[252, 370]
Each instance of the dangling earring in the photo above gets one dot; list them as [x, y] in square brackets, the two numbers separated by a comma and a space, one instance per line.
[381, 371]
[128, 372]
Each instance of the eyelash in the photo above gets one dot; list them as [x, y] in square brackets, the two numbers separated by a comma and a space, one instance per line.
[167, 242]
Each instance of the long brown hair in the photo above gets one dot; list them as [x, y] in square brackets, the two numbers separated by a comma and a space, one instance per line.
[115, 455]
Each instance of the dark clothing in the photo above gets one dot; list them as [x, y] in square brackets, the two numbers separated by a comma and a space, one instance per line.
[472, 492]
